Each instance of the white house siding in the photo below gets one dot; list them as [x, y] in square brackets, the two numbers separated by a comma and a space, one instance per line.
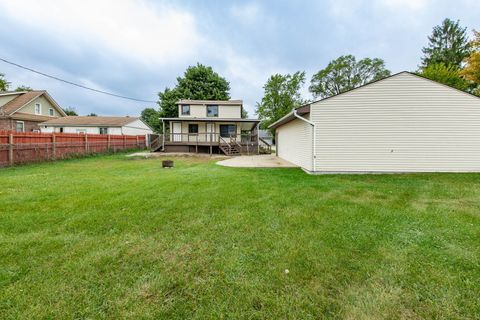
[200, 111]
[137, 127]
[401, 124]
[7, 98]
[294, 143]
[229, 112]
[45, 105]
[125, 130]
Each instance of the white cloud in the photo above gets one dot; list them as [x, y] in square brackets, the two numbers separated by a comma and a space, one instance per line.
[151, 34]
[409, 5]
[246, 13]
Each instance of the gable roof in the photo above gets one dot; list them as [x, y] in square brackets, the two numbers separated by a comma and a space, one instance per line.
[221, 102]
[24, 98]
[290, 116]
[90, 121]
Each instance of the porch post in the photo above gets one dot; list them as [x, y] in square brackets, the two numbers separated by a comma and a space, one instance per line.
[163, 135]
[258, 138]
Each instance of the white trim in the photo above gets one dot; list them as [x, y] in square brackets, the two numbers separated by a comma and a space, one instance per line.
[23, 125]
[39, 108]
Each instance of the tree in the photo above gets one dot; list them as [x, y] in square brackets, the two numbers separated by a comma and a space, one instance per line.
[449, 75]
[92, 114]
[69, 111]
[198, 82]
[23, 88]
[4, 84]
[448, 44]
[151, 117]
[471, 71]
[281, 95]
[345, 73]
[168, 98]
[244, 114]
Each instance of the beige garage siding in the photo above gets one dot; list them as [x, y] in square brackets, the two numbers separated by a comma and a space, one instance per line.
[401, 124]
[294, 143]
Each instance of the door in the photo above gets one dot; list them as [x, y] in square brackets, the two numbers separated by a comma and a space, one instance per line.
[177, 130]
[210, 131]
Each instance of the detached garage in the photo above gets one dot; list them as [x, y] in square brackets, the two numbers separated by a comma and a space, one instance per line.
[403, 123]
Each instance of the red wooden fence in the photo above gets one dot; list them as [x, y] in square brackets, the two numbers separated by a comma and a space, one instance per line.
[19, 147]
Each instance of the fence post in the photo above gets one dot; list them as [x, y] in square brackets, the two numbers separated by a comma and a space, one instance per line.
[54, 146]
[86, 143]
[10, 149]
[124, 142]
[138, 143]
[108, 142]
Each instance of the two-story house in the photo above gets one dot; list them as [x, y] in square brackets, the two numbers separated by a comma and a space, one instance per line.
[23, 111]
[210, 126]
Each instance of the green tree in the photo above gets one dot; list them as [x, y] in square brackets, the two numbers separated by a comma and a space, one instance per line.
[449, 75]
[4, 84]
[23, 88]
[281, 95]
[198, 82]
[92, 114]
[151, 117]
[69, 111]
[471, 71]
[448, 44]
[345, 73]
[168, 98]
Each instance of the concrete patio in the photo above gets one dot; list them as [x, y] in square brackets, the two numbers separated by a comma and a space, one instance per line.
[256, 161]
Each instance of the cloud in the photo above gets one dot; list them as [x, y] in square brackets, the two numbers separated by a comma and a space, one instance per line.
[145, 32]
[405, 5]
[246, 13]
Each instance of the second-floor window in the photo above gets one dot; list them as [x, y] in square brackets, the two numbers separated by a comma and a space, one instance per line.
[50, 112]
[185, 110]
[38, 108]
[212, 111]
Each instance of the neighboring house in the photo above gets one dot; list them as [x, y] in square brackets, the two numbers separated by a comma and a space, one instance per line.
[210, 126]
[266, 135]
[97, 125]
[403, 123]
[23, 111]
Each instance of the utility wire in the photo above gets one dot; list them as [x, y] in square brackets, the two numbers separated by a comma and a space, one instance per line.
[75, 84]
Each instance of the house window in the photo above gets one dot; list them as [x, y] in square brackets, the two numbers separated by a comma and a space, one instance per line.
[185, 110]
[192, 128]
[20, 126]
[50, 112]
[61, 130]
[212, 111]
[228, 130]
[103, 130]
[38, 108]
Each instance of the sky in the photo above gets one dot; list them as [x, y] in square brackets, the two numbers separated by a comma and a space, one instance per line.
[137, 48]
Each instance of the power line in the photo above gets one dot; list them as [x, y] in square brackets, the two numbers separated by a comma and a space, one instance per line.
[75, 84]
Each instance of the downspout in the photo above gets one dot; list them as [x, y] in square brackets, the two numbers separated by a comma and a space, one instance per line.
[295, 114]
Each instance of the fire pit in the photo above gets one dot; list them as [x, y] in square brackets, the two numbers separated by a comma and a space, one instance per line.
[167, 163]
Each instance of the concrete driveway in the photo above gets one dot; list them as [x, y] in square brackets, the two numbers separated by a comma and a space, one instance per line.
[260, 161]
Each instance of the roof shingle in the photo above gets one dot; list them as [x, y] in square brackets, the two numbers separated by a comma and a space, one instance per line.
[15, 104]
[90, 121]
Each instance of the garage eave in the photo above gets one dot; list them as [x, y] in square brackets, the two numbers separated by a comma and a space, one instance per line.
[290, 116]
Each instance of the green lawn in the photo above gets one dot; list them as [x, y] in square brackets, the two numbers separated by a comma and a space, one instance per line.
[110, 237]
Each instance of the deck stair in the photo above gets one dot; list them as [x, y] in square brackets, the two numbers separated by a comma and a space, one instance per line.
[230, 150]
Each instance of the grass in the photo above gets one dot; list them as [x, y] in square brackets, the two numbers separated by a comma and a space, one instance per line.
[108, 237]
